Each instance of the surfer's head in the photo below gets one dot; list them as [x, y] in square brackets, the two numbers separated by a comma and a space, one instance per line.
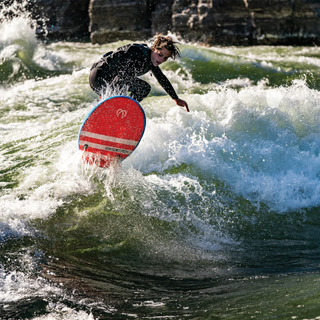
[167, 43]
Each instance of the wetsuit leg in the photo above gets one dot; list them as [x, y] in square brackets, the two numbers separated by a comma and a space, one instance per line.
[97, 80]
[139, 89]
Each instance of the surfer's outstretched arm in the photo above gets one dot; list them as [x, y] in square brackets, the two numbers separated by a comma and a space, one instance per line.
[181, 103]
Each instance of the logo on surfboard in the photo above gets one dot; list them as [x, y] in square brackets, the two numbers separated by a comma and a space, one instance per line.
[121, 113]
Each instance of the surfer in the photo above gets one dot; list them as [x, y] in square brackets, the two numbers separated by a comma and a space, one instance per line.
[122, 67]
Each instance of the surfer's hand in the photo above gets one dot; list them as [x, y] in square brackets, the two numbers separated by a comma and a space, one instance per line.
[181, 103]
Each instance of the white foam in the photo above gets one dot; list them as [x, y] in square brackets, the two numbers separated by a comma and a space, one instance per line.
[15, 286]
[59, 311]
[263, 142]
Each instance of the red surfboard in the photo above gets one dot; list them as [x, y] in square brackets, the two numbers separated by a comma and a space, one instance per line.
[111, 131]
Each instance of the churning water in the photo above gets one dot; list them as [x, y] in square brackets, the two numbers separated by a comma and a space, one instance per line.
[214, 216]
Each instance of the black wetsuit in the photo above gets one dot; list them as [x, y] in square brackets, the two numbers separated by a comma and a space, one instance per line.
[123, 67]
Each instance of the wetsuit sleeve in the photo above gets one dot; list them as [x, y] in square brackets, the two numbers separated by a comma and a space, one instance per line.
[164, 82]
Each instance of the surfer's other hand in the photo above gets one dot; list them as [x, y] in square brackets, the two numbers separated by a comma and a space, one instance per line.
[181, 103]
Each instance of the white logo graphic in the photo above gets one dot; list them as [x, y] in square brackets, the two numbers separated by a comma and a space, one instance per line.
[121, 113]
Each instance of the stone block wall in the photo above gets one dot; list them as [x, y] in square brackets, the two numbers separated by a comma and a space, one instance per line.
[222, 22]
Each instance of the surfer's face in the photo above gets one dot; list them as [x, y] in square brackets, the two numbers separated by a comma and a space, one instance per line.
[160, 56]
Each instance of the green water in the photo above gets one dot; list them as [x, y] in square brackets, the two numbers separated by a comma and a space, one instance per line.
[214, 216]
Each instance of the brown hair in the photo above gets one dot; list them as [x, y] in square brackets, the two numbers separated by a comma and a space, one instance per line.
[168, 43]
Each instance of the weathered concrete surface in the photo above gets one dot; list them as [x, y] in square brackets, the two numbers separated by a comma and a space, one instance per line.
[225, 22]
[62, 19]
[248, 22]
[121, 19]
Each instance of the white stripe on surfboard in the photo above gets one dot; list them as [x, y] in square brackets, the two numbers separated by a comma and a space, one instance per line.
[105, 148]
[108, 138]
